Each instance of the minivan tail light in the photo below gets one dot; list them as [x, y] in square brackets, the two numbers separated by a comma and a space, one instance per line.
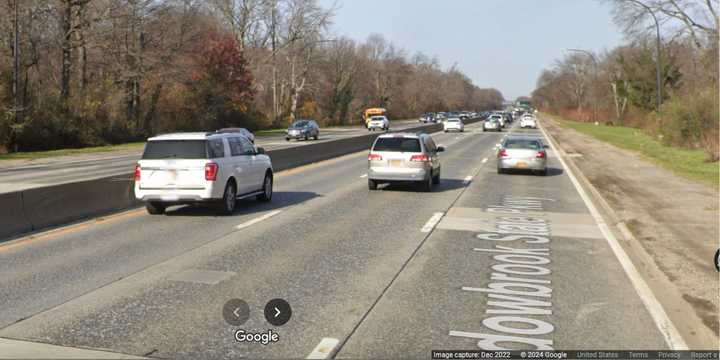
[540, 155]
[211, 171]
[374, 157]
[137, 172]
[421, 158]
[503, 153]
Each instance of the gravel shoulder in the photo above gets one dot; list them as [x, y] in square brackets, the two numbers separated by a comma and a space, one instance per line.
[673, 224]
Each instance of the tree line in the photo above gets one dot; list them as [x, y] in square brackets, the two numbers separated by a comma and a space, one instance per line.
[95, 72]
[620, 85]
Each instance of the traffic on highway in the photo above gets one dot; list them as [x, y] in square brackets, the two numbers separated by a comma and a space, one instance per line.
[283, 191]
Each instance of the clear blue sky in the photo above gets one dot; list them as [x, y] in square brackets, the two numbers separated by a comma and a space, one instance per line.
[498, 43]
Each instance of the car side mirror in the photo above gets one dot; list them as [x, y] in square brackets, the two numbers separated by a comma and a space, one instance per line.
[260, 151]
[440, 148]
[546, 146]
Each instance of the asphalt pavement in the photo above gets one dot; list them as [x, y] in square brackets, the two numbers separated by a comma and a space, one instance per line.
[16, 175]
[484, 260]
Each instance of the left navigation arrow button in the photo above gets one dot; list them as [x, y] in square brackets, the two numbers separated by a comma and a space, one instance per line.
[236, 312]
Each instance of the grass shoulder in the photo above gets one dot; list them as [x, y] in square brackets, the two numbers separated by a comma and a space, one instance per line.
[692, 164]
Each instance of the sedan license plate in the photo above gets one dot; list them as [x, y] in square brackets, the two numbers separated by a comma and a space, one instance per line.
[395, 163]
[521, 164]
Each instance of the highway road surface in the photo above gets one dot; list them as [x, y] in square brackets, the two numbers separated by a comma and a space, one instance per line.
[18, 175]
[484, 260]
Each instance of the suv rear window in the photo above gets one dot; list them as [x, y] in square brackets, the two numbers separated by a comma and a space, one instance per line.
[397, 144]
[175, 149]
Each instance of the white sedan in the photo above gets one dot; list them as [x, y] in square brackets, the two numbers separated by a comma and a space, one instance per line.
[454, 124]
[528, 122]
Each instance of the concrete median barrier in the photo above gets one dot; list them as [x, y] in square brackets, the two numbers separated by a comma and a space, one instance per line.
[59, 204]
[12, 215]
[39, 208]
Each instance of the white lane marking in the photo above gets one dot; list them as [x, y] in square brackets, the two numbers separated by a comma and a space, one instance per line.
[484, 160]
[434, 220]
[363, 175]
[323, 349]
[258, 219]
[467, 179]
[662, 321]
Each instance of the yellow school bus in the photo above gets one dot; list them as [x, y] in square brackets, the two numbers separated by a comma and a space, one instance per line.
[369, 113]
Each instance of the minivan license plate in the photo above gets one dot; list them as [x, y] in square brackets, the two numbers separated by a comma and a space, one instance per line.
[395, 163]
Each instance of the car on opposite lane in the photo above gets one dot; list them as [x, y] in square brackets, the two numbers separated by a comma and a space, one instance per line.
[517, 152]
[404, 157]
[453, 124]
[379, 123]
[190, 168]
[303, 129]
[242, 131]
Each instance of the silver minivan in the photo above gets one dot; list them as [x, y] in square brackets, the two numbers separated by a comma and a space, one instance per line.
[404, 157]
[519, 152]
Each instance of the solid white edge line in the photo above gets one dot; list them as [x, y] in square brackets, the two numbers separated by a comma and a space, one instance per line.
[323, 349]
[662, 321]
[363, 175]
[434, 220]
[258, 219]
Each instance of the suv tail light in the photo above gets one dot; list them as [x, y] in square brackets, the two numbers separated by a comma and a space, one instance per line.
[211, 171]
[137, 172]
[374, 157]
[502, 153]
[540, 155]
[421, 158]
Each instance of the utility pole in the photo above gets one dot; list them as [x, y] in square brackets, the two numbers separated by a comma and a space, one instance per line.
[658, 80]
[16, 76]
[595, 79]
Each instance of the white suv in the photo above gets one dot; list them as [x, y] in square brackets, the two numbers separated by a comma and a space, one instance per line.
[187, 168]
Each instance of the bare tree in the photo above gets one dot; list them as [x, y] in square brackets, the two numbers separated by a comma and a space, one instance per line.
[697, 18]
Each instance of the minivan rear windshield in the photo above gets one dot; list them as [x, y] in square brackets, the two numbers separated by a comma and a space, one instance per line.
[522, 144]
[397, 144]
[175, 149]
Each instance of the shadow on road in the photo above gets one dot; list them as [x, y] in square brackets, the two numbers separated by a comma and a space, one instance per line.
[281, 199]
[445, 185]
[551, 171]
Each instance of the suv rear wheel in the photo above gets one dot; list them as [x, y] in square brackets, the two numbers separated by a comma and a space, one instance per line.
[372, 184]
[155, 208]
[229, 199]
[267, 190]
[426, 185]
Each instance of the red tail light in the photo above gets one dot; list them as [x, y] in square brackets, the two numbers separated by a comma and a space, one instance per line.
[211, 171]
[374, 157]
[502, 153]
[137, 172]
[421, 158]
[540, 155]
